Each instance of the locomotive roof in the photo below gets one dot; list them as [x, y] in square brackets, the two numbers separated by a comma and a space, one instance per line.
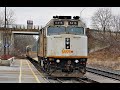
[51, 22]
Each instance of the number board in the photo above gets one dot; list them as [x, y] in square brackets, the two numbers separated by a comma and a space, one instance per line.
[29, 22]
[73, 23]
[58, 23]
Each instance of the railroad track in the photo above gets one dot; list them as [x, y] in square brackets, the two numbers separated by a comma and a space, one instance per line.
[61, 80]
[104, 73]
[72, 80]
[86, 80]
[77, 80]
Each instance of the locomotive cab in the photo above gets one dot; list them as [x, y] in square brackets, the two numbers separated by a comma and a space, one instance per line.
[63, 47]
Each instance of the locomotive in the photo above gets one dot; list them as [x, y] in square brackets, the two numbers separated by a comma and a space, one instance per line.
[62, 47]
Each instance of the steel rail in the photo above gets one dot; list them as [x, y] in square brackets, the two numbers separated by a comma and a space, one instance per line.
[104, 73]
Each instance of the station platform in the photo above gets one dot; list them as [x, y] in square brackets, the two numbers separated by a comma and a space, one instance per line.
[21, 71]
[36, 58]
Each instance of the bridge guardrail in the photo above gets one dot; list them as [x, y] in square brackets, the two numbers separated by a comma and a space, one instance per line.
[17, 26]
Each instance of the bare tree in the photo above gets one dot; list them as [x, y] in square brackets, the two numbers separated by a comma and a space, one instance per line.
[116, 28]
[116, 25]
[1, 19]
[102, 19]
[21, 41]
[107, 30]
[10, 19]
[10, 16]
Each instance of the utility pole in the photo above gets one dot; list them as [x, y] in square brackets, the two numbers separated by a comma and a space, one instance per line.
[81, 12]
[5, 36]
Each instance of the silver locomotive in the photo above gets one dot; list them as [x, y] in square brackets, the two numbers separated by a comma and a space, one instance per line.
[62, 47]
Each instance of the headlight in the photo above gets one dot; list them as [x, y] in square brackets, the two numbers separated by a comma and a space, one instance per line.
[76, 61]
[67, 42]
[67, 39]
[67, 47]
[57, 60]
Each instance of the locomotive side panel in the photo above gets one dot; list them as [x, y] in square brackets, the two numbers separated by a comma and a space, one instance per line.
[45, 44]
[41, 44]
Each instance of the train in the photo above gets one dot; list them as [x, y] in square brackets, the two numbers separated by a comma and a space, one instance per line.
[62, 47]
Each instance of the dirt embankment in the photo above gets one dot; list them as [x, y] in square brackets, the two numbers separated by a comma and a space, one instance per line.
[108, 58]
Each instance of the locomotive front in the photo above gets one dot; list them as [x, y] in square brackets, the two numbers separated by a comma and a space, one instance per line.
[66, 47]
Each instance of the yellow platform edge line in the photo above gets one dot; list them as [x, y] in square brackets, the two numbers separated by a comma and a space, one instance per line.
[36, 78]
[20, 71]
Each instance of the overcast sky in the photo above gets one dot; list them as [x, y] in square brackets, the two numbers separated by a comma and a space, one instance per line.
[41, 15]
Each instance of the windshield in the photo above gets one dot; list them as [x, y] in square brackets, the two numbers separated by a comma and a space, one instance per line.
[56, 30]
[63, 30]
[75, 30]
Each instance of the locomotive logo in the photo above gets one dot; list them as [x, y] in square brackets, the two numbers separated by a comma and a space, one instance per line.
[66, 51]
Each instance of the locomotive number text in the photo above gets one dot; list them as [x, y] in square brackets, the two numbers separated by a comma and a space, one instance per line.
[66, 51]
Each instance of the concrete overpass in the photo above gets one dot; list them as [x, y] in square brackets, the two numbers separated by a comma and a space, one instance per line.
[15, 31]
